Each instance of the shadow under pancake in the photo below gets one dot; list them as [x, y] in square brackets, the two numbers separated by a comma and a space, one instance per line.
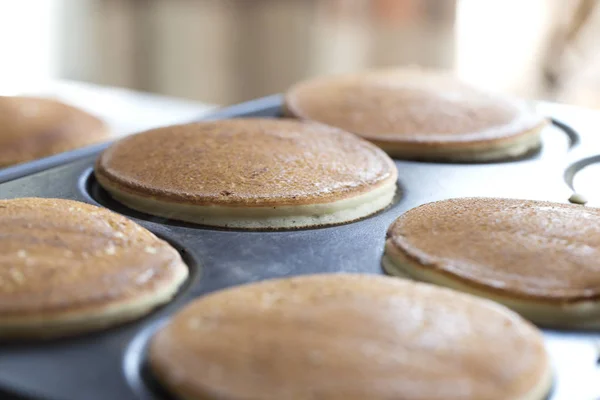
[94, 191]
[548, 139]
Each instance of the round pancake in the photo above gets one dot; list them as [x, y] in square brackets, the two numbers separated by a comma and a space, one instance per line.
[541, 259]
[348, 337]
[249, 173]
[32, 128]
[414, 114]
[67, 267]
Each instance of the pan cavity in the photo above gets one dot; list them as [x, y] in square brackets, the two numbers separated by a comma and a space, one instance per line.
[582, 178]
[557, 139]
[95, 193]
[136, 367]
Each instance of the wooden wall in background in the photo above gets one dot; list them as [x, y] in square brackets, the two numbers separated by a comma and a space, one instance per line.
[226, 51]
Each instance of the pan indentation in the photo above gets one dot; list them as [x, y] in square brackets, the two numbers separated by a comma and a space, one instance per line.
[136, 369]
[96, 194]
[582, 178]
[194, 274]
[556, 140]
[572, 134]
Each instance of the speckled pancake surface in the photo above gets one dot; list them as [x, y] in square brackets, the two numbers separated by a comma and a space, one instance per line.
[249, 173]
[348, 337]
[67, 267]
[540, 258]
[32, 128]
[418, 114]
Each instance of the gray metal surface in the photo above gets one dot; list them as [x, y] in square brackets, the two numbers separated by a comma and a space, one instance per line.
[110, 364]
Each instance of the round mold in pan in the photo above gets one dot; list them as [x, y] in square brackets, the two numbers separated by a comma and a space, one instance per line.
[194, 276]
[111, 336]
[582, 178]
[136, 369]
[572, 134]
[97, 195]
[141, 380]
[557, 138]
[194, 266]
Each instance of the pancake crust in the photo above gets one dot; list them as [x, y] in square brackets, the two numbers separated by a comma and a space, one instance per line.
[348, 337]
[32, 128]
[540, 258]
[416, 114]
[271, 168]
[67, 267]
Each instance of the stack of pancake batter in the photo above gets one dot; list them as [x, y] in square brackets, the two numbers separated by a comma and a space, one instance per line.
[325, 336]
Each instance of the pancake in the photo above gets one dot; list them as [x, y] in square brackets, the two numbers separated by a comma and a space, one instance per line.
[67, 267]
[32, 128]
[420, 115]
[249, 173]
[348, 337]
[541, 259]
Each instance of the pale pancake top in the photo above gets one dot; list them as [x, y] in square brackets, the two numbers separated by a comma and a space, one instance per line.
[347, 337]
[410, 106]
[32, 128]
[62, 256]
[543, 250]
[250, 162]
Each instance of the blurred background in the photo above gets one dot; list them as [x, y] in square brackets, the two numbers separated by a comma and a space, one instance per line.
[227, 51]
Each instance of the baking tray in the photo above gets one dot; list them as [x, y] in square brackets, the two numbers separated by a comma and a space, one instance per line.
[111, 364]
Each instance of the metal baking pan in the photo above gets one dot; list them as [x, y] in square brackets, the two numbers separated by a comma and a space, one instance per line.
[111, 364]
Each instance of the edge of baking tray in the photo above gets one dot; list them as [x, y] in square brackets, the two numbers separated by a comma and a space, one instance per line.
[260, 107]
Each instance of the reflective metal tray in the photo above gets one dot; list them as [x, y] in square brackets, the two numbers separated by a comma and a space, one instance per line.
[111, 364]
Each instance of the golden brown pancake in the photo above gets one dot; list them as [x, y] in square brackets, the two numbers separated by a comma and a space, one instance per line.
[420, 115]
[541, 259]
[249, 173]
[68, 267]
[32, 128]
[349, 337]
